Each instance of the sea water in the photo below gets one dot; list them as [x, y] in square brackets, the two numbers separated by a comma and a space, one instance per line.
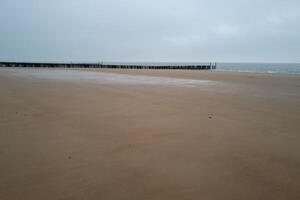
[281, 68]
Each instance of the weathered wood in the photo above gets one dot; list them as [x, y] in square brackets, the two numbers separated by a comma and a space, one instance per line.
[109, 66]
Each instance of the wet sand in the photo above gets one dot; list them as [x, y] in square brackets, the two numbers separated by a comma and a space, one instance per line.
[238, 138]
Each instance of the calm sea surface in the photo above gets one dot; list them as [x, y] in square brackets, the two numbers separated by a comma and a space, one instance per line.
[282, 68]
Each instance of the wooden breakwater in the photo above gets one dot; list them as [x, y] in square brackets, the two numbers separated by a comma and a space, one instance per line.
[210, 66]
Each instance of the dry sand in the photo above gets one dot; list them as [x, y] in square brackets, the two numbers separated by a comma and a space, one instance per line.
[239, 139]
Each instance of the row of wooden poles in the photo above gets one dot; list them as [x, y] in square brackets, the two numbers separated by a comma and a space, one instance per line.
[210, 66]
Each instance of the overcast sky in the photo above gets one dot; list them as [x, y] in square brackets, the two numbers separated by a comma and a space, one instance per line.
[150, 30]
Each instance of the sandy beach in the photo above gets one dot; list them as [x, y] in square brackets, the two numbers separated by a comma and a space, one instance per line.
[173, 135]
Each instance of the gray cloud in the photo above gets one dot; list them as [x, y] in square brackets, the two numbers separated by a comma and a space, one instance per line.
[150, 30]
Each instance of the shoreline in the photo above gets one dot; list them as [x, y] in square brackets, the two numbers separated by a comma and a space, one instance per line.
[215, 71]
[253, 72]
